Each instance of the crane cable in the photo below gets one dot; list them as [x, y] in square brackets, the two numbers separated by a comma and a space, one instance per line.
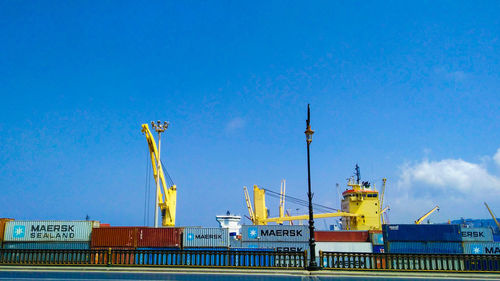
[300, 201]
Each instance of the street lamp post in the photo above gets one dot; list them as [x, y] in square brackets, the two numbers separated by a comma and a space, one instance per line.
[159, 128]
[312, 245]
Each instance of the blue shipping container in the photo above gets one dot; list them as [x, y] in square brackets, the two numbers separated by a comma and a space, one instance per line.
[378, 249]
[424, 248]
[422, 232]
[47, 246]
[482, 248]
[476, 234]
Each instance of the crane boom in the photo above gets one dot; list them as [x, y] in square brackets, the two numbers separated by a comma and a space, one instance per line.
[422, 218]
[492, 215]
[249, 204]
[167, 196]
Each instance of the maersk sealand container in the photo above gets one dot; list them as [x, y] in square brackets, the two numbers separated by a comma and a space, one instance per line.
[422, 232]
[48, 231]
[482, 248]
[274, 233]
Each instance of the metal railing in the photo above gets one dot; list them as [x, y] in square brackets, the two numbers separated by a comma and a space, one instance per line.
[410, 262]
[165, 258]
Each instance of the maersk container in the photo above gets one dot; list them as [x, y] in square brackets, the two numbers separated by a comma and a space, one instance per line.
[114, 237]
[150, 237]
[424, 248]
[476, 234]
[422, 232]
[341, 236]
[277, 246]
[47, 245]
[48, 231]
[344, 247]
[377, 239]
[205, 237]
[275, 233]
[482, 248]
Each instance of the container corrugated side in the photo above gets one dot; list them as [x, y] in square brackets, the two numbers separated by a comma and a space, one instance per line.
[3, 221]
[341, 236]
[47, 245]
[275, 233]
[477, 234]
[482, 248]
[47, 231]
[344, 247]
[277, 246]
[422, 232]
[424, 247]
[204, 237]
[114, 237]
[150, 237]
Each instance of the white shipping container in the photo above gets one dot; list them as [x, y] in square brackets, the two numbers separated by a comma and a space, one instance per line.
[48, 231]
[205, 237]
[344, 247]
[275, 233]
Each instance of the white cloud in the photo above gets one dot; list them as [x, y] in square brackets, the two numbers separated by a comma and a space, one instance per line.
[457, 186]
[497, 157]
[235, 123]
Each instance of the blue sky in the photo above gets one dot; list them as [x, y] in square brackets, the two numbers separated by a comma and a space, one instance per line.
[409, 91]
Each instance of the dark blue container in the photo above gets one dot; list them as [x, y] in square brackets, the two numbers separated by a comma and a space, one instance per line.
[378, 249]
[496, 238]
[422, 232]
[424, 248]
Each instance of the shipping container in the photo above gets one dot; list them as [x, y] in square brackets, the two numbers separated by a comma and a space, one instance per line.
[114, 237]
[150, 237]
[477, 234]
[204, 237]
[278, 246]
[496, 238]
[424, 247]
[482, 248]
[275, 233]
[378, 249]
[341, 236]
[3, 221]
[344, 247]
[377, 239]
[47, 245]
[48, 231]
[422, 232]
[119, 255]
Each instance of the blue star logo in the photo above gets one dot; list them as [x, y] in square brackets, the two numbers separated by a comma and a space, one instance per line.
[253, 232]
[476, 249]
[190, 236]
[19, 231]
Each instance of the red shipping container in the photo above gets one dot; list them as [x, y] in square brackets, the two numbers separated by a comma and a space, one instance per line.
[149, 237]
[114, 237]
[341, 236]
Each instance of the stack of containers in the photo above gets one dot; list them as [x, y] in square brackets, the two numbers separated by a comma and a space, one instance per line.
[140, 238]
[479, 241]
[377, 239]
[3, 221]
[48, 234]
[422, 239]
[342, 241]
[281, 238]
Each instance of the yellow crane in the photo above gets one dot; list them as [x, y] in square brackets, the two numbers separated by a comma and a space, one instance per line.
[492, 215]
[422, 218]
[165, 196]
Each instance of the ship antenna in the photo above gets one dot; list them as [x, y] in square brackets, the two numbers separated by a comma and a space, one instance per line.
[358, 174]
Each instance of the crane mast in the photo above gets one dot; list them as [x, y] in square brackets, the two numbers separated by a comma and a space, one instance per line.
[165, 196]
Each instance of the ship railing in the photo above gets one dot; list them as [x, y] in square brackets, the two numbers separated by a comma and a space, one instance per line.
[409, 262]
[158, 258]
